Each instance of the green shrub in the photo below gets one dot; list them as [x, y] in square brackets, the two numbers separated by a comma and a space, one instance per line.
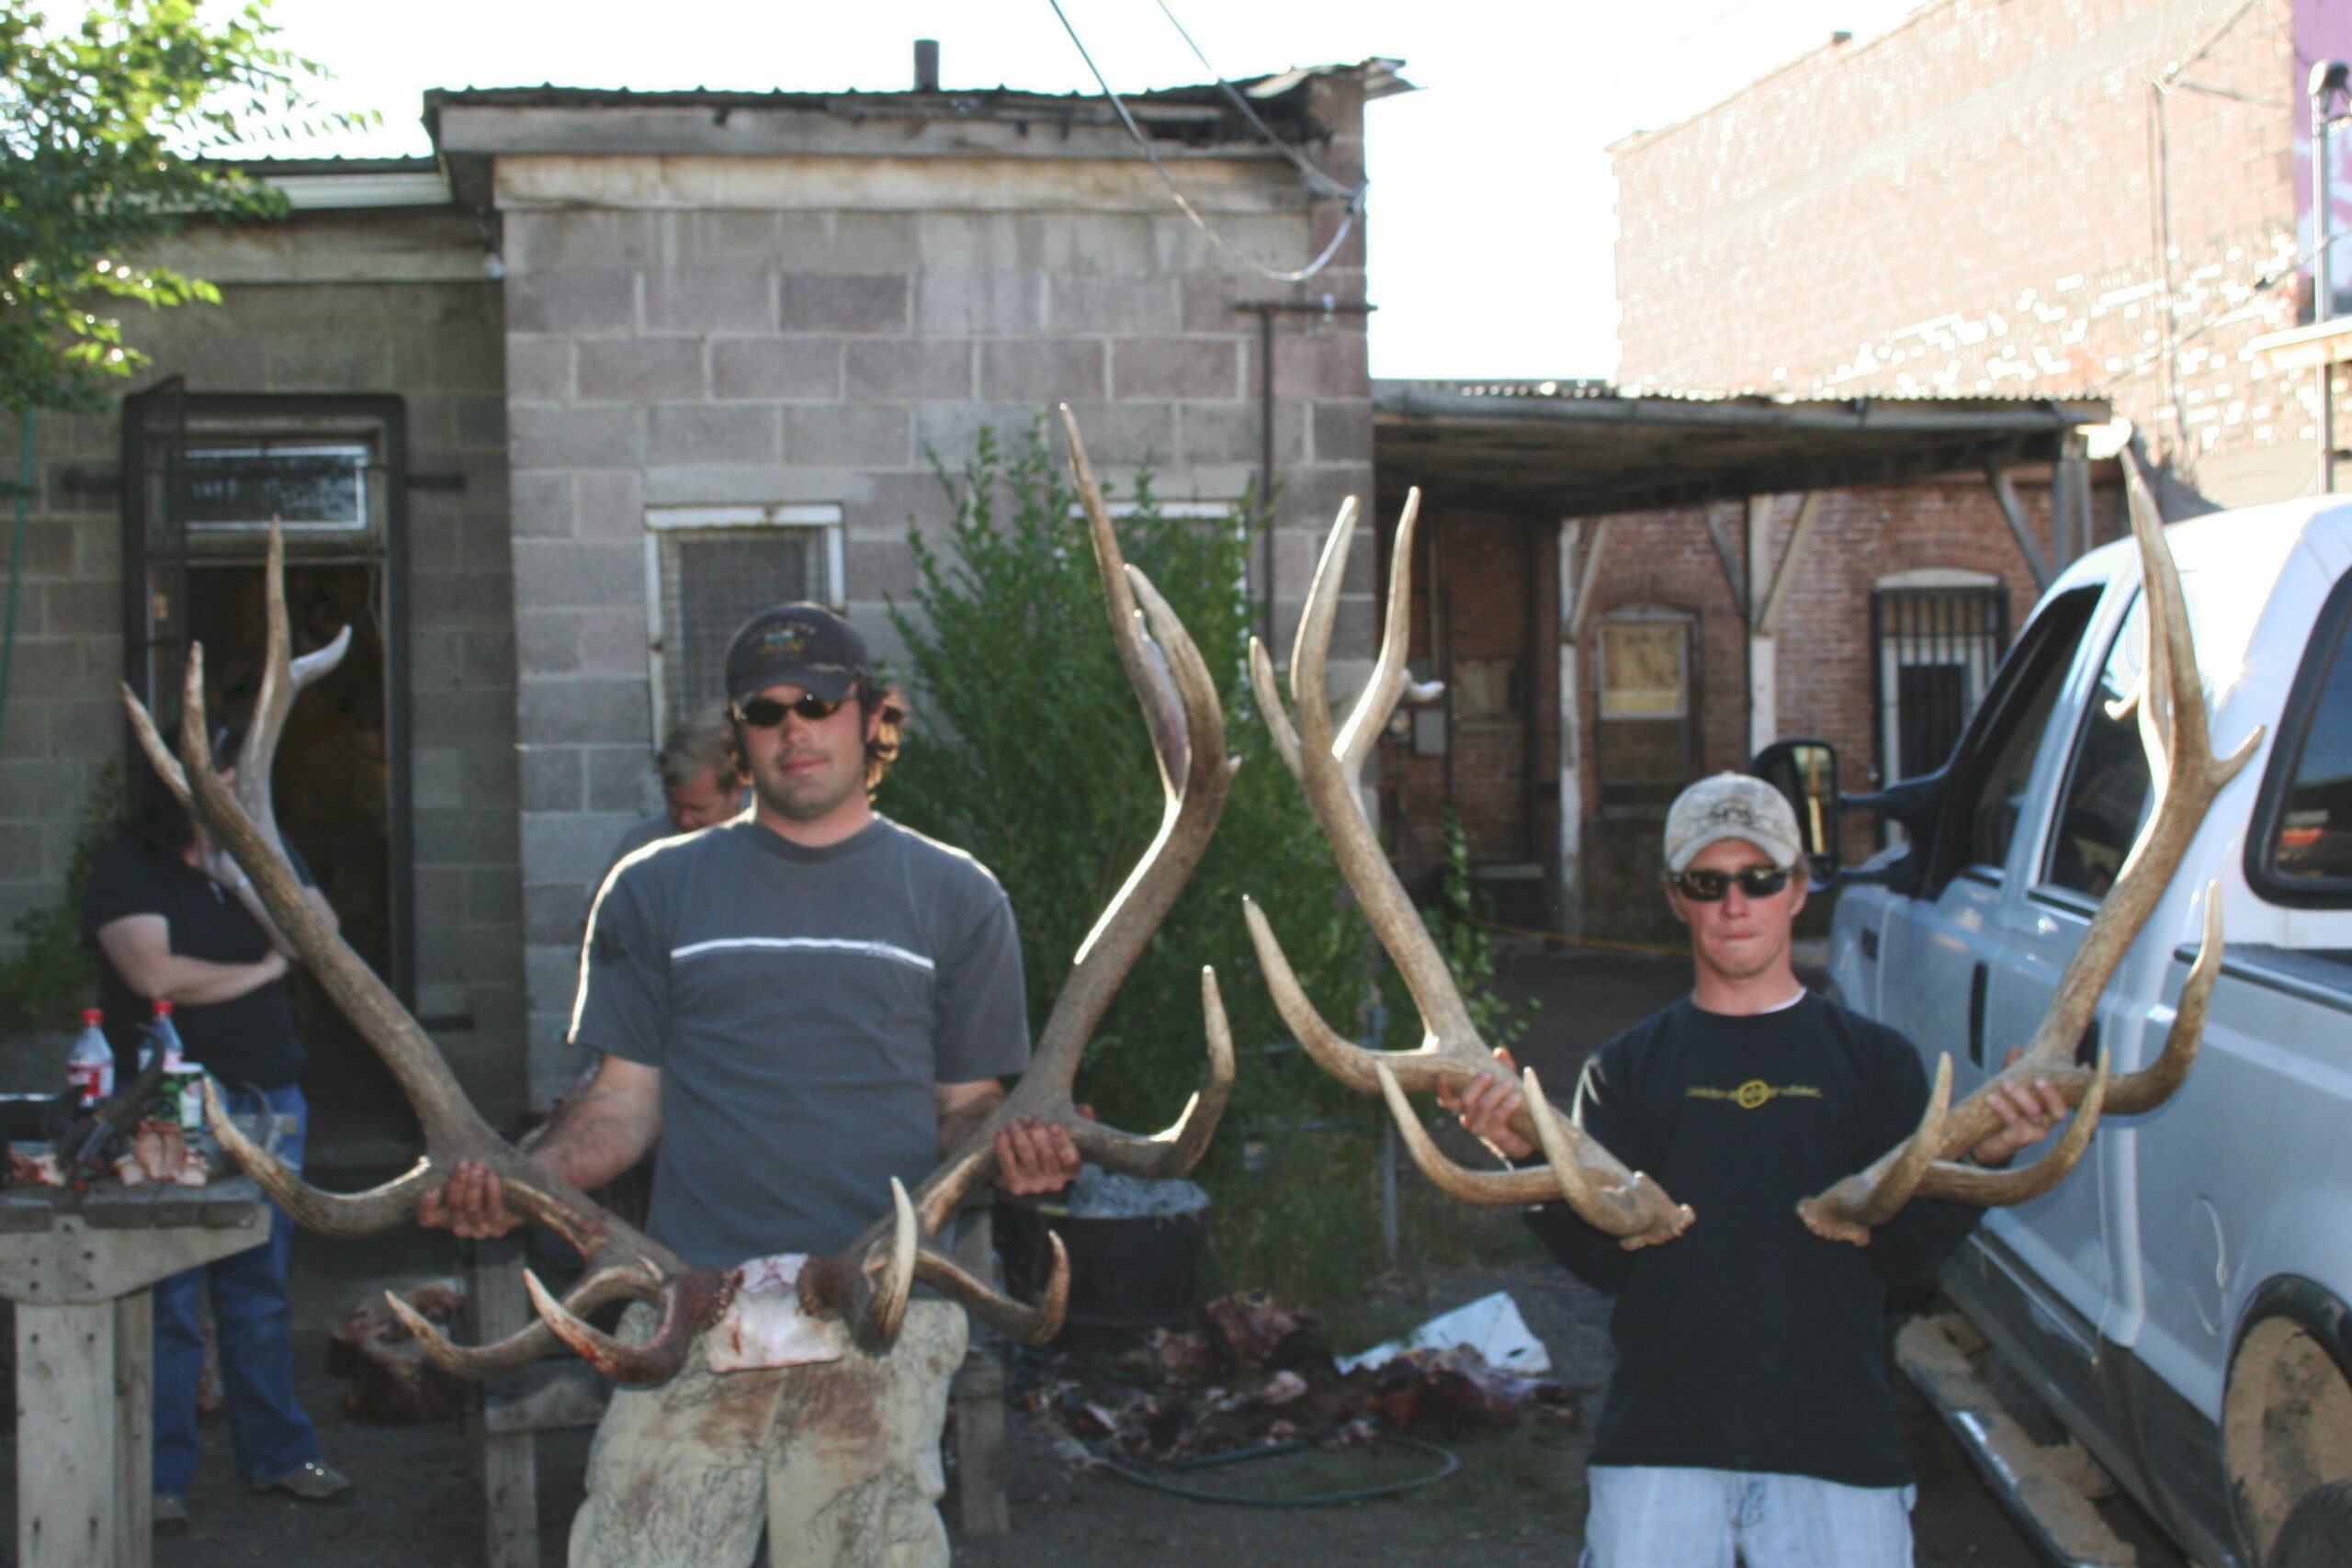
[54, 976]
[1026, 747]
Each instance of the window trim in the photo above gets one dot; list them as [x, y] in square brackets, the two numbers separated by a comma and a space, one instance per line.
[825, 517]
[1688, 719]
[2045, 845]
[2327, 640]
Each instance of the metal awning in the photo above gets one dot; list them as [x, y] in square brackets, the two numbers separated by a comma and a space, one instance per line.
[1572, 448]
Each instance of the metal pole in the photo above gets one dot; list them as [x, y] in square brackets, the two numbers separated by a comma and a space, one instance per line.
[2327, 79]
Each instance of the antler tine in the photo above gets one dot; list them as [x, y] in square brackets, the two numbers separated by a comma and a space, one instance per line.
[1015, 1320]
[686, 1304]
[282, 678]
[1145, 662]
[1971, 1184]
[1848, 1210]
[1188, 819]
[2184, 778]
[355, 1214]
[1537, 1185]
[512, 1354]
[1330, 794]
[1378, 699]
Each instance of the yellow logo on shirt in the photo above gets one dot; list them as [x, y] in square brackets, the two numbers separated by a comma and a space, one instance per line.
[1754, 1094]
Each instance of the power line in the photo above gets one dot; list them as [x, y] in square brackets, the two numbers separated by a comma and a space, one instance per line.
[1315, 175]
[1183, 202]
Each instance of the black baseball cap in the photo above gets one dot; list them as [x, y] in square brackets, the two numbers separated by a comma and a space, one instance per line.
[804, 644]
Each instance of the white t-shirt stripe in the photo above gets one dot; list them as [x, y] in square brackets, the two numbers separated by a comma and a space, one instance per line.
[830, 945]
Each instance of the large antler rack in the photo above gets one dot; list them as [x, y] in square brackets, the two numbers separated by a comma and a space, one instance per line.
[622, 1263]
[2176, 732]
[1180, 708]
[1623, 1203]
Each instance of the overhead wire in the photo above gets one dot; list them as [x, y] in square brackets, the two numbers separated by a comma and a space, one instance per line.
[1183, 202]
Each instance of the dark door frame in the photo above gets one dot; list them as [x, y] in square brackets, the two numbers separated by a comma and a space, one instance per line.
[150, 479]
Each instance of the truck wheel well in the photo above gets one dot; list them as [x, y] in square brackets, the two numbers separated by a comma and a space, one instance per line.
[2287, 1418]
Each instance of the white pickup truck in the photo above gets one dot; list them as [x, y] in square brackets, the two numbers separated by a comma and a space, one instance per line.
[2183, 1302]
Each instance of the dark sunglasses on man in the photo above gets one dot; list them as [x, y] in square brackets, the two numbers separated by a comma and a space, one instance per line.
[1709, 886]
[767, 712]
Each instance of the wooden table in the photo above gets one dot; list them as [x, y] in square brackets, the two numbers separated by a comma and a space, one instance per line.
[78, 1267]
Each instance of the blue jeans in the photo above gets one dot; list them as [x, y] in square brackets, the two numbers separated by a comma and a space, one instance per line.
[1657, 1517]
[254, 1322]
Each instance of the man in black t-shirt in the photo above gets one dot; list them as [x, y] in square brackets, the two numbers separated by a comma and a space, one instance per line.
[164, 913]
[1750, 1411]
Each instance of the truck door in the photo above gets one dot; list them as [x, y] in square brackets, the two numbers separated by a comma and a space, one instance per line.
[2097, 801]
[1945, 943]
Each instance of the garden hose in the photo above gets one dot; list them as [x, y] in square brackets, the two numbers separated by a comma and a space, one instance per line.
[1449, 1461]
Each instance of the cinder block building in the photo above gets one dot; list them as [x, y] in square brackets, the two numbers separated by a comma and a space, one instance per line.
[546, 413]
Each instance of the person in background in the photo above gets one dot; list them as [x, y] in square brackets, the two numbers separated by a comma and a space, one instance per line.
[700, 787]
[164, 915]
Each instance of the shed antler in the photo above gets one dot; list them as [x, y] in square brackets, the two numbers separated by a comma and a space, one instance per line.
[1187, 727]
[1625, 1203]
[622, 1263]
[2185, 775]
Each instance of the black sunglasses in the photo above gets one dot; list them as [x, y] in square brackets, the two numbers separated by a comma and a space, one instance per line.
[767, 712]
[1707, 887]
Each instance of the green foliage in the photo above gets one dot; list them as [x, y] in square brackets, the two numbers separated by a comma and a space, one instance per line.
[54, 976]
[107, 127]
[1028, 749]
[1460, 925]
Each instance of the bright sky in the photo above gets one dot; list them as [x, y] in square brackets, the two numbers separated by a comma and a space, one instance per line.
[1492, 207]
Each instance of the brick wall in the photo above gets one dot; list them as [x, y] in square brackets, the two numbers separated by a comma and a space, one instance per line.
[668, 348]
[1964, 206]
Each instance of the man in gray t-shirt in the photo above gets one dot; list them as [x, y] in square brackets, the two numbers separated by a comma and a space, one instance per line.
[800, 1004]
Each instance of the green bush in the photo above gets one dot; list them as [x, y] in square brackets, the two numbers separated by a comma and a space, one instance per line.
[1026, 747]
[54, 976]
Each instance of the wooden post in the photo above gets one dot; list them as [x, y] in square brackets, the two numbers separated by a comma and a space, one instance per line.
[980, 1469]
[67, 1475]
[1576, 579]
[1763, 670]
[507, 1461]
[134, 1425]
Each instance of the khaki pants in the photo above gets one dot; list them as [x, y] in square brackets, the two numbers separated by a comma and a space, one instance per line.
[844, 1456]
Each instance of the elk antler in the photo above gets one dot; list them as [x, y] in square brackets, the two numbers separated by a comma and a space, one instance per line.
[621, 1263]
[2184, 776]
[1625, 1203]
[1187, 727]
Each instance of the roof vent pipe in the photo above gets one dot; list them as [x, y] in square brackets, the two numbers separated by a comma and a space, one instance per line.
[926, 66]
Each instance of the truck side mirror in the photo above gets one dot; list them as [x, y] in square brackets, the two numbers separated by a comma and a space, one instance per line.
[1806, 772]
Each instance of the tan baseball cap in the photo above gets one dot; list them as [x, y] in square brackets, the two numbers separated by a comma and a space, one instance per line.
[1732, 806]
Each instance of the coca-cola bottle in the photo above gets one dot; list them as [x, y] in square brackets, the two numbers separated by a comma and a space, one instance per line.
[89, 1071]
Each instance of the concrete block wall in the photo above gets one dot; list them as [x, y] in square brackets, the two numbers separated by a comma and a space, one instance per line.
[1966, 206]
[401, 316]
[668, 351]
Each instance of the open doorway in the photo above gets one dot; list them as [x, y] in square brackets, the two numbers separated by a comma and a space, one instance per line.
[205, 475]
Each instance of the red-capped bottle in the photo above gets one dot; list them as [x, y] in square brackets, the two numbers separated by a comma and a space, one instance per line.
[89, 1071]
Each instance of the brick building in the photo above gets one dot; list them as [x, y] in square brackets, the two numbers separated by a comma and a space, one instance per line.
[2019, 198]
[548, 412]
[1625, 593]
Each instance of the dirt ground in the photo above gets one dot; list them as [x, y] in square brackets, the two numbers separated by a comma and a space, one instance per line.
[1515, 1499]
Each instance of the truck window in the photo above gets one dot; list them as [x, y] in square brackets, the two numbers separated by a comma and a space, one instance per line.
[2106, 792]
[1996, 761]
[2301, 851]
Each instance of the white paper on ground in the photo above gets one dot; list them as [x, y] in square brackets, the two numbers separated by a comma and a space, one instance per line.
[1490, 1325]
[764, 1326]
